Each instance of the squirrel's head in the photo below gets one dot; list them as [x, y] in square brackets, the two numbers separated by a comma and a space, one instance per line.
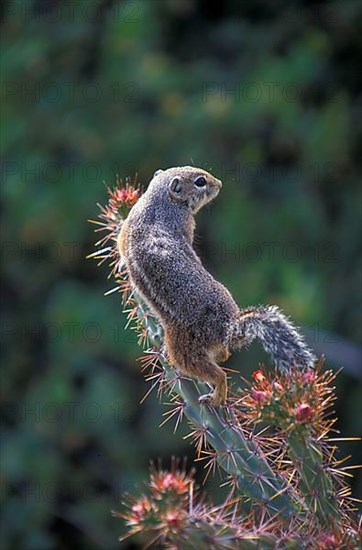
[188, 186]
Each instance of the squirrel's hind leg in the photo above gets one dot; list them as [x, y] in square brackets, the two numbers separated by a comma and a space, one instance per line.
[200, 364]
[203, 369]
[221, 354]
[206, 370]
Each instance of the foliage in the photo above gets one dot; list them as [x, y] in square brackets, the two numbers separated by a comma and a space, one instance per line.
[91, 89]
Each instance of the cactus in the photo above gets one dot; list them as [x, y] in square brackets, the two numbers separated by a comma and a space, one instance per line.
[286, 488]
[170, 512]
[297, 404]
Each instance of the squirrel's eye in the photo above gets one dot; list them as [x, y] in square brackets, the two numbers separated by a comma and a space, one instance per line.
[175, 185]
[200, 181]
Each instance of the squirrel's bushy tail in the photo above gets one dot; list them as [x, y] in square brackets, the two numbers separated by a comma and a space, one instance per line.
[277, 334]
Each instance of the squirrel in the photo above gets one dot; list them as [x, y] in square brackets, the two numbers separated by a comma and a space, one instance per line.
[201, 321]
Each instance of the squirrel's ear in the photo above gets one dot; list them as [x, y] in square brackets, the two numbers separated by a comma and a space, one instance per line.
[157, 172]
[175, 188]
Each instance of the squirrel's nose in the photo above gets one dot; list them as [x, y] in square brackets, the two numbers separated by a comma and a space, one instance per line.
[218, 183]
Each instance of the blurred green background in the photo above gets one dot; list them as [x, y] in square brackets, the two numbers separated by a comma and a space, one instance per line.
[267, 96]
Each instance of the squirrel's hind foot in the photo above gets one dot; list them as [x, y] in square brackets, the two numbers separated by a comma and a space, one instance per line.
[208, 399]
[215, 398]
